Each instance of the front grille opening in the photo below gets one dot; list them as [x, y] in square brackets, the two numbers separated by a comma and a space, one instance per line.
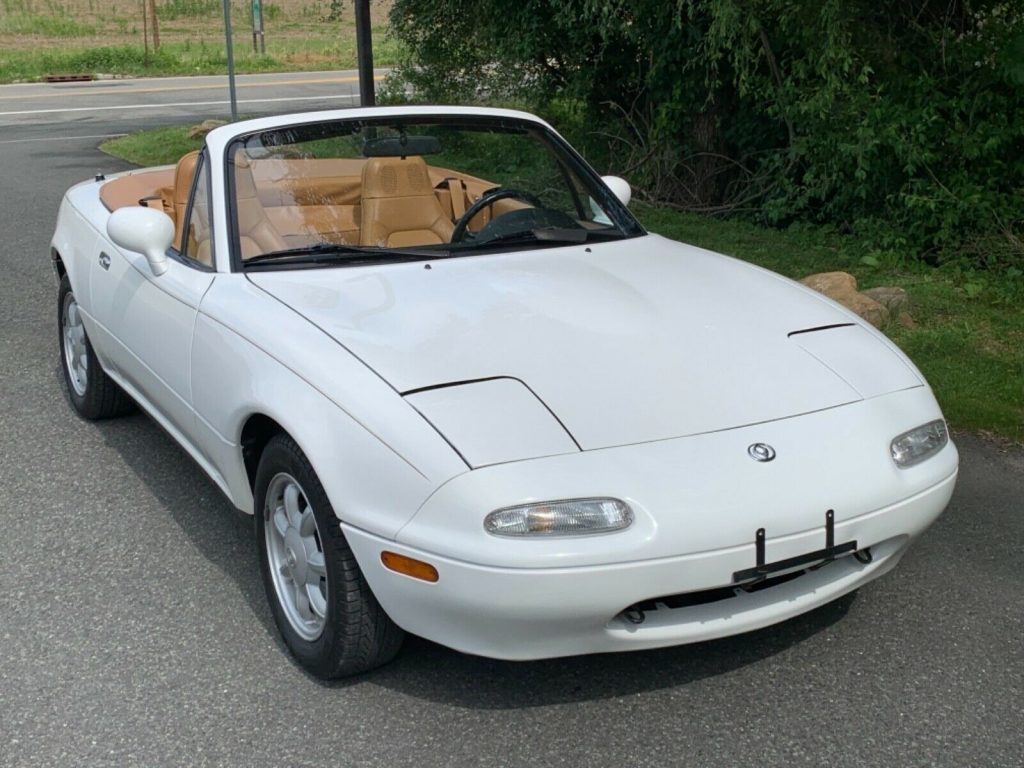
[704, 596]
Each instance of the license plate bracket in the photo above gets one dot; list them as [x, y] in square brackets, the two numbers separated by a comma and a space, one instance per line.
[762, 570]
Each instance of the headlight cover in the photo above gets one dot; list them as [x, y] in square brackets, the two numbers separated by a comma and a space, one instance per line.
[570, 517]
[919, 444]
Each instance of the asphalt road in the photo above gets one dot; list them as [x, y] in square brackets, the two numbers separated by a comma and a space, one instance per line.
[110, 102]
[134, 630]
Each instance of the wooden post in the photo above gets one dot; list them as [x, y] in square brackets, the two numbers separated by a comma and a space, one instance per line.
[145, 32]
[156, 25]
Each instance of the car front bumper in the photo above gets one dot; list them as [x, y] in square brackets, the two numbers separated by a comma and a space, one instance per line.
[534, 613]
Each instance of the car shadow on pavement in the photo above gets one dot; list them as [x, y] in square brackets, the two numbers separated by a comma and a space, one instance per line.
[423, 669]
[432, 672]
[429, 671]
[219, 532]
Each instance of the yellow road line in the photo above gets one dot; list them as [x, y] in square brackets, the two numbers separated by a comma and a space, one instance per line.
[100, 91]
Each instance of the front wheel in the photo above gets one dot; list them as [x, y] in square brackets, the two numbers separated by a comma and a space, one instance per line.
[92, 393]
[323, 607]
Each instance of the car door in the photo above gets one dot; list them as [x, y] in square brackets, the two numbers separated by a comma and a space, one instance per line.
[150, 318]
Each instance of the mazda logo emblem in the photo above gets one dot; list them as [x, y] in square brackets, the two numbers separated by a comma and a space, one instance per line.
[761, 452]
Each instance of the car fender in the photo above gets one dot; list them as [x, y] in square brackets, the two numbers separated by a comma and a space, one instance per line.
[71, 239]
[377, 458]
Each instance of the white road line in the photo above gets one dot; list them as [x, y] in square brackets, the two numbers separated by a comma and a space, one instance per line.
[100, 90]
[344, 97]
[64, 138]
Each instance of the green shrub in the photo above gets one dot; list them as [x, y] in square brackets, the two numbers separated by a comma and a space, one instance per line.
[897, 121]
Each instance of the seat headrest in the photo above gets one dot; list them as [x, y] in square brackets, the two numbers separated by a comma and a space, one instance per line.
[396, 177]
[245, 184]
[183, 173]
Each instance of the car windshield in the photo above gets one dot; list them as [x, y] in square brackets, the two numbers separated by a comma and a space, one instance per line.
[383, 189]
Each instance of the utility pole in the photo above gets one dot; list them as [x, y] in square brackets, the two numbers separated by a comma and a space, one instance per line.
[364, 54]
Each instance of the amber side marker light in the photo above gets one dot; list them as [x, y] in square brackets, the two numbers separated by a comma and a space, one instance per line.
[415, 568]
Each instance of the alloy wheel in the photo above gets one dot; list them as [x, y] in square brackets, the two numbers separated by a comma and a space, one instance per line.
[76, 353]
[296, 556]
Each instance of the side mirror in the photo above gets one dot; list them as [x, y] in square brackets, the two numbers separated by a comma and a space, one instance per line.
[620, 187]
[143, 230]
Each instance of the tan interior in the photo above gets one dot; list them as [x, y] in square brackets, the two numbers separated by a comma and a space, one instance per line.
[184, 171]
[311, 200]
[292, 202]
[256, 233]
[399, 207]
[134, 188]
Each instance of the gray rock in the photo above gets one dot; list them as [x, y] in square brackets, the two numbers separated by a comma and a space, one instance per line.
[892, 298]
[198, 131]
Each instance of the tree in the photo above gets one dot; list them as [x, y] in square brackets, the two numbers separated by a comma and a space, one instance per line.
[892, 118]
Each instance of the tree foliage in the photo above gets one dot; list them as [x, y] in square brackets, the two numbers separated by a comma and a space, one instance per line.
[901, 120]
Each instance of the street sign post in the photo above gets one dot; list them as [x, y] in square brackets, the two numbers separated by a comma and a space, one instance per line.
[257, 28]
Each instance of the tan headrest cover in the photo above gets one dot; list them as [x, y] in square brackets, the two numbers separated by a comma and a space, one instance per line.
[183, 173]
[245, 184]
[396, 177]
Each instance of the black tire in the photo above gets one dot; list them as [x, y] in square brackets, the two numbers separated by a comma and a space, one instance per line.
[357, 635]
[96, 396]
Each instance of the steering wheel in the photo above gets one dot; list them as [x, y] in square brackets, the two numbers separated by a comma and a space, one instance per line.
[491, 196]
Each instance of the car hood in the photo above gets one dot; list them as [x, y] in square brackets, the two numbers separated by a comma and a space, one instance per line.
[623, 342]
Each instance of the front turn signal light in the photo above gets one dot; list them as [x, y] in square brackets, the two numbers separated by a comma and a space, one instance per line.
[408, 566]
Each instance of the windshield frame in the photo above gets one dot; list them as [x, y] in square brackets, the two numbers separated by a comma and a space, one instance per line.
[622, 219]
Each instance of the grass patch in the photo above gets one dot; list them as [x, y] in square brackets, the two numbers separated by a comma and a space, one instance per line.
[45, 26]
[90, 37]
[176, 9]
[160, 146]
[969, 334]
[185, 58]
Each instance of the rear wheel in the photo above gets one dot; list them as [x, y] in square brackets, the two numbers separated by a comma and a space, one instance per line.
[92, 393]
[323, 607]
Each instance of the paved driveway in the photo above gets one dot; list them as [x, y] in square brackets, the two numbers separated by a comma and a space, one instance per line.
[134, 631]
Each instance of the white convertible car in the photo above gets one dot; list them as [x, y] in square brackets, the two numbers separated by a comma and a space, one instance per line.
[467, 396]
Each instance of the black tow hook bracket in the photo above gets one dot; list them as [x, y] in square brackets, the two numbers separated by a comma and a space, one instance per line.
[762, 570]
[634, 615]
[864, 555]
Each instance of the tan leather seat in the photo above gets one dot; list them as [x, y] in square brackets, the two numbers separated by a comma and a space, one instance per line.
[183, 173]
[256, 234]
[398, 205]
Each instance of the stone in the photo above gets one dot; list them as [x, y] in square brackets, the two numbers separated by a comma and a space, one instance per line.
[906, 320]
[831, 283]
[842, 287]
[892, 298]
[198, 131]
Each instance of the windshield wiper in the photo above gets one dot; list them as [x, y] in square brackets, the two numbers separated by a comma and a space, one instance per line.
[331, 253]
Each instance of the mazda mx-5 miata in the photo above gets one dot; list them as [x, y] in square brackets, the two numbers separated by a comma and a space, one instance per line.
[467, 396]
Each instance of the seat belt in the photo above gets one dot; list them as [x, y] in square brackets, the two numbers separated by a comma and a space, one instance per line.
[458, 197]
